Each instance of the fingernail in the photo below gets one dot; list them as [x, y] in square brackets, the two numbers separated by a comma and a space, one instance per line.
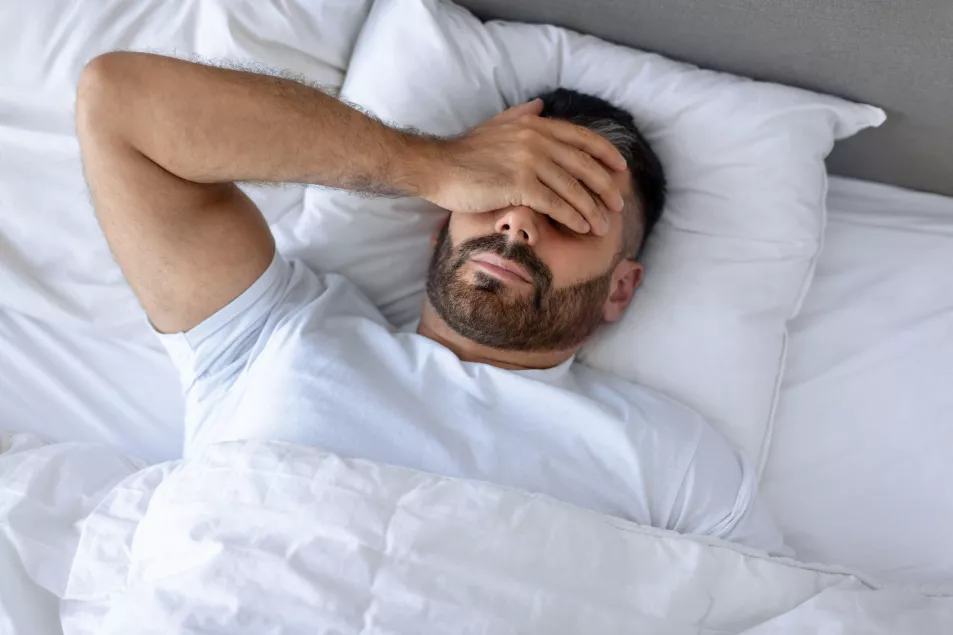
[619, 203]
[604, 224]
[585, 228]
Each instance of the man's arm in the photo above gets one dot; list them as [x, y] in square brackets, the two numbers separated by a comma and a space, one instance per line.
[164, 140]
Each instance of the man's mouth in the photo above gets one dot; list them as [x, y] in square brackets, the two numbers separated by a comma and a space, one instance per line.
[500, 267]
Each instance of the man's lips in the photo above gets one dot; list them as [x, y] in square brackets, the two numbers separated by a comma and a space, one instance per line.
[501, 267]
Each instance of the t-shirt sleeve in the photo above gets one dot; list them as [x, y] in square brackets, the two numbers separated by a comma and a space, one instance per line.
[719, 497]
[225, 339]
[212, 356]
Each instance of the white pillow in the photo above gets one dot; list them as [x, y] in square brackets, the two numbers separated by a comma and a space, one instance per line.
[734, 252]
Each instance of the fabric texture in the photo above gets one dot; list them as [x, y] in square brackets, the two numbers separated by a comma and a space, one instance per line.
[733, 254]
[896, 55]
[46, 492]
[307, 359]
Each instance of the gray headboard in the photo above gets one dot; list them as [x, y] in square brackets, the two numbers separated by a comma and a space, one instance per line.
[896, 54]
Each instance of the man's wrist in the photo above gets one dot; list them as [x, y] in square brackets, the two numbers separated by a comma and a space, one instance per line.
[417, 166]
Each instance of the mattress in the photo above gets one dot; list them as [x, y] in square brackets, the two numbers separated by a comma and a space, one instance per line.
[859, 470]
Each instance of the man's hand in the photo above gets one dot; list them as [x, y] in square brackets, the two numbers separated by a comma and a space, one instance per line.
[520, 158]
[163, 141]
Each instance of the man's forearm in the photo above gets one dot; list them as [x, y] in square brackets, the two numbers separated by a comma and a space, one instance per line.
[208, 125]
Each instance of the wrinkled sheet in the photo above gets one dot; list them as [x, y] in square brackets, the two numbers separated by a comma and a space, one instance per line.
[46, 491]
[257, 537]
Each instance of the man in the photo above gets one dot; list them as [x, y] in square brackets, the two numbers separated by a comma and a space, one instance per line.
[549, 203]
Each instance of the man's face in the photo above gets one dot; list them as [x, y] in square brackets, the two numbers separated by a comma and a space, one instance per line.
[515, 279]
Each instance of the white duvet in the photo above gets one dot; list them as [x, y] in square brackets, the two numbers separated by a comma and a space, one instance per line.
[255, 537]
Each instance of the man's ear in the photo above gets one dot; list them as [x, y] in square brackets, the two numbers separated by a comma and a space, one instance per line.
[625, 279]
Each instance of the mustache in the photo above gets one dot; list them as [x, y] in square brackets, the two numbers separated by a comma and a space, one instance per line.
[517, 252]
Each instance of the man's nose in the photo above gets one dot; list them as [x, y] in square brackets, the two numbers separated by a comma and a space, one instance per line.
[519, 224]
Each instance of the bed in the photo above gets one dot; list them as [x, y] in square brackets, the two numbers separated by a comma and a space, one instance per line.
[857, 466]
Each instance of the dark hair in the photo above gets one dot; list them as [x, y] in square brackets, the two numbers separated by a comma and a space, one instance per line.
[619, 127]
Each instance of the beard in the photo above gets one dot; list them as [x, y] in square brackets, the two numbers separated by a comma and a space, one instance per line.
[487, 312]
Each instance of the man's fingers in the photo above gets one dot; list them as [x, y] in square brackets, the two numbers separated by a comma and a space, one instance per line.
[545, 200]
[587, 170]
[586, 140]
[533, 107]
[571, 191]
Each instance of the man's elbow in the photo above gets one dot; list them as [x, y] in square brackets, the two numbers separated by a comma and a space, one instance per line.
[98, 95]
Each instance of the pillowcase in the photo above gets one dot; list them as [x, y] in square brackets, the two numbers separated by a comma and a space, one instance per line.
[729, 262]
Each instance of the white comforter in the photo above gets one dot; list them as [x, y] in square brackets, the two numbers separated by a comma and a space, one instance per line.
[273, 538]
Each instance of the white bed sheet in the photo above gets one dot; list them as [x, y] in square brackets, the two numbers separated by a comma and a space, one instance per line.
[71, 382]
[860, 471]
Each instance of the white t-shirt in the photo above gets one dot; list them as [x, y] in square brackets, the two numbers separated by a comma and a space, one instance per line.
[308, 359]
